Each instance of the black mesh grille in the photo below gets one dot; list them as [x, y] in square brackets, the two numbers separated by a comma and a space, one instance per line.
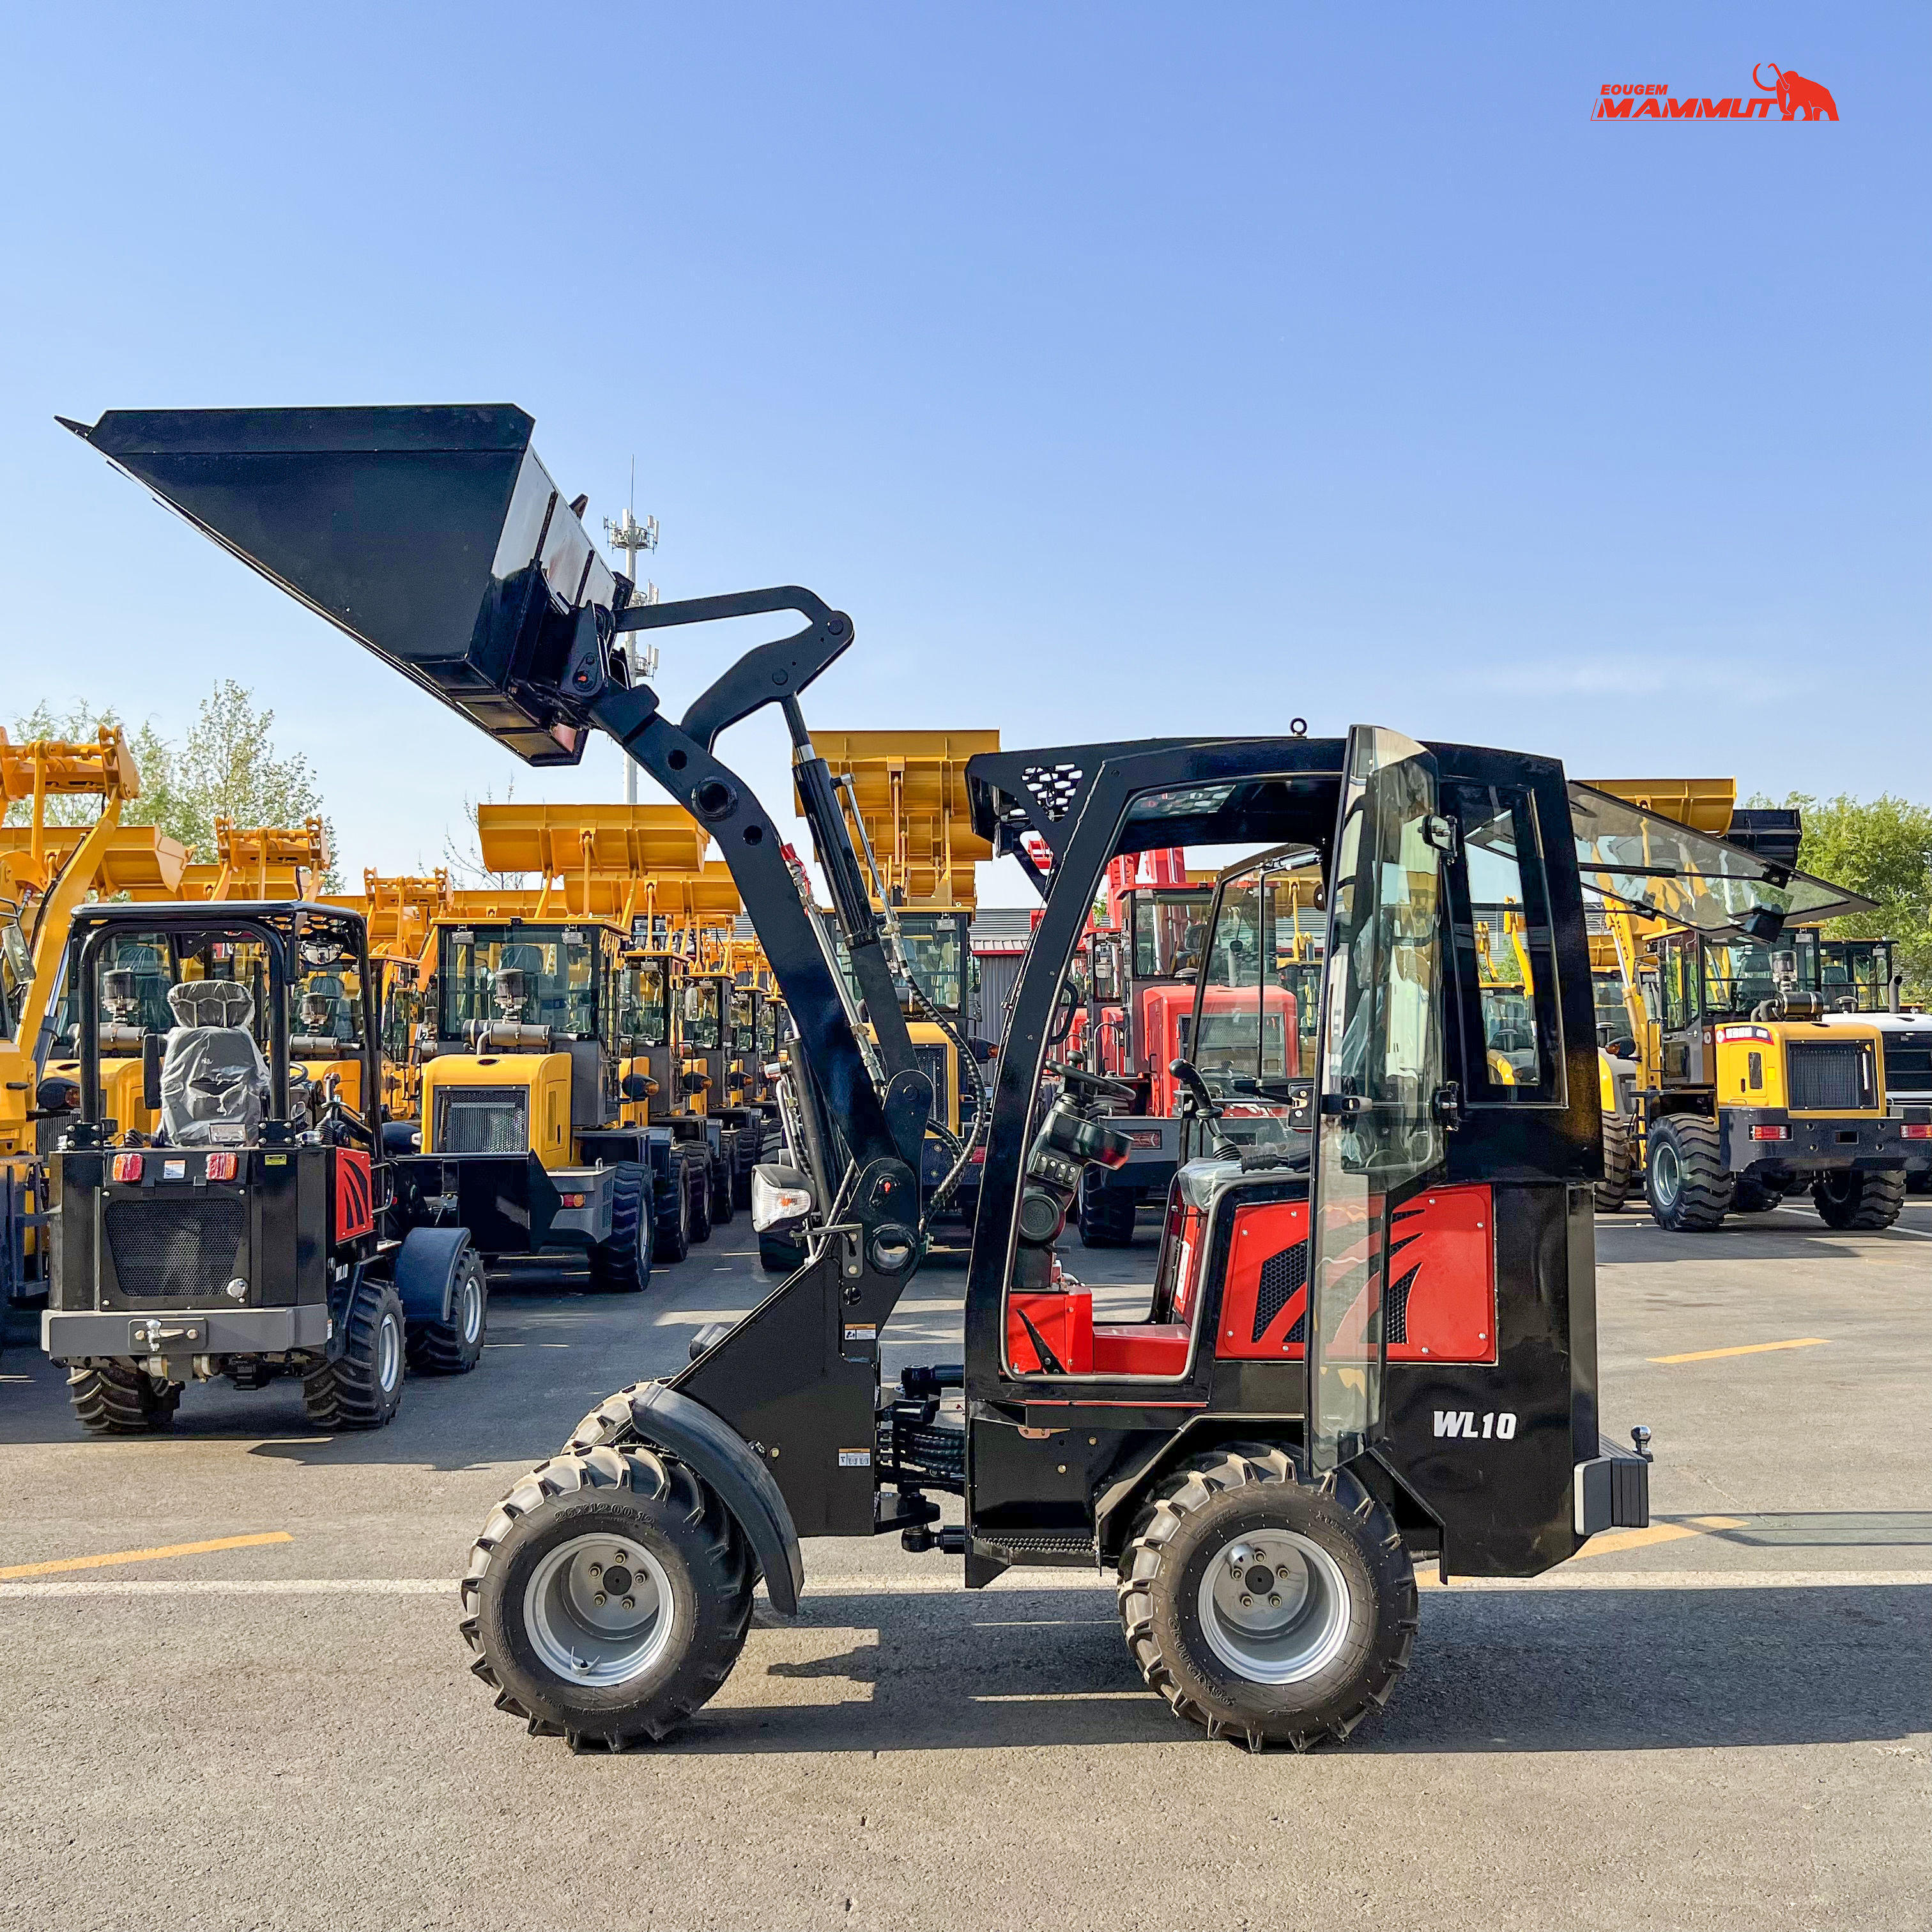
[164, 1246]
[1908, 1065]
[483, 1120]
[931, 1062]
[1825, 1075]
[1283, 1276]
[1395, 1308]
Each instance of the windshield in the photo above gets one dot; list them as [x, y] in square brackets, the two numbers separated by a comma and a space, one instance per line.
[1738, 973]
[325, 1005]
[1170, 930]
[741, 1020]
[643, 1016]
[17, 970]
[935, 950]
[1638, 859]
[1256, 1011]
[1857, 972]
[521, 976]
[702, 1024]
[1613, 1014]
[768, 1027]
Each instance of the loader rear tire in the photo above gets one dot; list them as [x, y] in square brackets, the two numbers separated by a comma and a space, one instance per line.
[621, 1265]
[1685, 1180]
[1619, 1152]
[1265, 1608]
[362, 1388]
[1106, 1217]
[724, 1184]
[117, 1399]
[454, 1347]
[1859, 1202]
[611, 1673]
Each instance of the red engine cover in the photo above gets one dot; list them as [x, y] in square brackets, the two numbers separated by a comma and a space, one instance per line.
[1440, 1303]
[354, 1207]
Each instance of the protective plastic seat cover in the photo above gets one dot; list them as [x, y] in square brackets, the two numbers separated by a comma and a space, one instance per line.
[214, 1083]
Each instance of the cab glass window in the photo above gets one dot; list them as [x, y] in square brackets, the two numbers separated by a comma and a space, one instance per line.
[1513, 1047]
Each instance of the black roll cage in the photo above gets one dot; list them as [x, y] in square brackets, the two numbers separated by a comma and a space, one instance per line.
[276, 926]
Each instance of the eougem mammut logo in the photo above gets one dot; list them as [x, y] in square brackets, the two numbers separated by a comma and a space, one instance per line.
[1794, 98]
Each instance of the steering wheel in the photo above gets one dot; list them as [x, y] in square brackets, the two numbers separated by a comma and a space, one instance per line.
[1091, 1089]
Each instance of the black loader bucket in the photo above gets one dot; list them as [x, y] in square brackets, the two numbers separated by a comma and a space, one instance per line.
[432, 535]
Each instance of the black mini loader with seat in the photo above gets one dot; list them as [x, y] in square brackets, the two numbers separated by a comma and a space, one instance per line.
[251, 1233]
[1371, 1341]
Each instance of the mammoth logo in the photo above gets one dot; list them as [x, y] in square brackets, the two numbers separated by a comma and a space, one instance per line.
[1796, 95]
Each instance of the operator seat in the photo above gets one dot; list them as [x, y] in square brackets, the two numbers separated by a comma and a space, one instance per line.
[214, 1084]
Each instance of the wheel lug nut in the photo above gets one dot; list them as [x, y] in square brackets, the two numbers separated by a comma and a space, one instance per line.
[1274, 1597]
[600, 1598]
[630, 1603]
[1247, 1602]
[596, 1569]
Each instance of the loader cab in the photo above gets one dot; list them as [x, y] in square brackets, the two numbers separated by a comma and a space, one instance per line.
[1450, 1266]
[526, 1038]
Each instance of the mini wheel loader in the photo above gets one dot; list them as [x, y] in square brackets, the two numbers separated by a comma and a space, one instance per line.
[1747, 1096]
[252, 1232]
[1371, 1341]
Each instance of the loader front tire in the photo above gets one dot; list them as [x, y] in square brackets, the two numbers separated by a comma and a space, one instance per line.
[1859, 1202]
[607, 1598]
[454, 1347]
[1264, 1607]
[1685, 1180]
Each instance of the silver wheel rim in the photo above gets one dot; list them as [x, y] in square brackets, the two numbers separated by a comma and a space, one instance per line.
[1274, 1606]
[389, 1352]
[472, 1306]
[1664, 1162]
[599, 1611]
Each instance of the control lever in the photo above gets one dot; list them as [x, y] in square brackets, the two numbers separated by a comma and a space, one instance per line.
[1204, 1104]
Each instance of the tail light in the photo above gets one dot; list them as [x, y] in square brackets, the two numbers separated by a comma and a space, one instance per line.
[571, 1200]
[222, 1166]
[1780, 1133]
[979, 1156]
[1916, 1130]
[127, 1167]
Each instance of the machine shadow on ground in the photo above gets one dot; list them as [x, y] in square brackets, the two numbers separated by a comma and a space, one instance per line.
[1556, 1671]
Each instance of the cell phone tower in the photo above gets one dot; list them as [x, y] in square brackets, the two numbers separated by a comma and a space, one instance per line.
[634, 538]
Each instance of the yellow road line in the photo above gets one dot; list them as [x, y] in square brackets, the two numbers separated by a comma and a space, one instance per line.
[145, 1555]
[1658, 1532]
[1749, 1348]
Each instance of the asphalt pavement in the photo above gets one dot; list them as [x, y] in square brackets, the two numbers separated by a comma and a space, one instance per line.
[1721, 1721]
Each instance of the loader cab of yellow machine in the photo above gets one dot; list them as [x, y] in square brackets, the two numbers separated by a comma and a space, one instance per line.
[648, 985]
[526, 1051]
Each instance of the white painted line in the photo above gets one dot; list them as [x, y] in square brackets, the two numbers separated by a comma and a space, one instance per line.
[934, 1586]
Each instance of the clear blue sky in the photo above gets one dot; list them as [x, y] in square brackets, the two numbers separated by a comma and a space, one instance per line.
[1123, 370]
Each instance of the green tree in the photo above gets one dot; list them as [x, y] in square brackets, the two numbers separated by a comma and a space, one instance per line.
[226, 766]
[1881, 848]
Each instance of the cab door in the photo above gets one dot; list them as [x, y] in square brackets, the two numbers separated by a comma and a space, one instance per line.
[1380, 1078]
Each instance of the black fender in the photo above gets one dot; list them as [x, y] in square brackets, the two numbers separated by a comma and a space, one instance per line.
[426, 1269]
[690, 1432]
